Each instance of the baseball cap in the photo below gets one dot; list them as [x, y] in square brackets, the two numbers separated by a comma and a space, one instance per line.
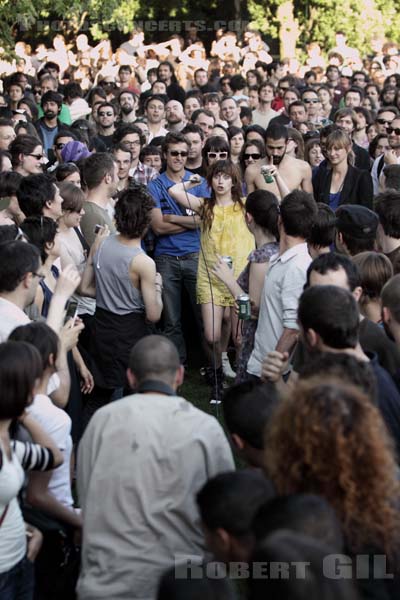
[74, 151]
[356, 221]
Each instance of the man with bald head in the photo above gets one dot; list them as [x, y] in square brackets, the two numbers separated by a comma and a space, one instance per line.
[141, 462]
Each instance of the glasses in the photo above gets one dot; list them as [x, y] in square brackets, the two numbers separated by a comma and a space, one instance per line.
[183, 153]
[383, 122]
[134, 143]
[37, 156]
[395, 130]
[60, 146]
[39, 275]
[309, 101]
[254, 156]
[107, 114]
[217, 154]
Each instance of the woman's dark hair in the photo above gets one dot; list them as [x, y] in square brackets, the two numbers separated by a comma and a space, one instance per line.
[96, 91]
[256, 128]
[215, 143]
[298, 140]
[324, 227]
[365, 112]
[229, 168]
[233, 130]
[374, 144]
[40, 231]
[20, 367]
[375, 270]
[64, 170]
[260, 147]
[256, 75]
[32, 106]
[133, 211]
[22, 144]
[72, 195]
[30, 130]
[263, 206]
[41, 336]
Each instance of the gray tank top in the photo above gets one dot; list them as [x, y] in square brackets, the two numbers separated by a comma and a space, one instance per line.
[114, 290]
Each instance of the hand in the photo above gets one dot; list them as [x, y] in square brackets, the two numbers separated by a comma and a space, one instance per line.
[67, 282]
[274, 365]
[168, 218]
[193, 181]
[87, 383]
[69, 334]
[35, 540]
[222, 271]
[100, 237]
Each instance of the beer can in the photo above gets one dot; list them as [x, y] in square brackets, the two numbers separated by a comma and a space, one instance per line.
[266, 174]
[244, 307]
[228, 260]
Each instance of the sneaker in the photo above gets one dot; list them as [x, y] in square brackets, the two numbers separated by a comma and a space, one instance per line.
[226, 365]
[214, 401]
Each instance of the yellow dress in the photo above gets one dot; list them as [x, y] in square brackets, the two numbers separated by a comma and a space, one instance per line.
[228, 236]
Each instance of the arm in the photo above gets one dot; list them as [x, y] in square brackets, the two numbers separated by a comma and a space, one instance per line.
[87, 381]
[365, 192]
[38, 496]
[40, 437]
[88, 283]
[189, 222]
[150, 285]
[256, 281]
[226, 275]
[287, 340]
[60, 396]
[306, 184]
[249, 179]
[66, 285]
[161, 227]
[179, 193]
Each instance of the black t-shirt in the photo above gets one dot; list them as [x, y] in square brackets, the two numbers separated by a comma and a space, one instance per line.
[198, 171]
[374, 340]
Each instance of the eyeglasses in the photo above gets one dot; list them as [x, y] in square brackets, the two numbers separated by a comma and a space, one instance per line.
[107, 114]
[37, 156]
[174, 153]
[309, 101]
[395, 130]
[60, 146]
[254, 156]
[134, 143]
[383, 122]
[217, 154]
[39, 275]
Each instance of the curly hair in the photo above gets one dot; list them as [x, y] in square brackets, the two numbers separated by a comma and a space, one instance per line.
[229, 168]
[328, 438]
[133, 211]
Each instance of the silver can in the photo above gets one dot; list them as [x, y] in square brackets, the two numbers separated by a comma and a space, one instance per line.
[228, 260]
[244, 307]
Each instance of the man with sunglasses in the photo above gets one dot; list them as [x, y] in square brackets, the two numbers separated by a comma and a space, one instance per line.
[107, 116]
[384, 118]
[390, 157]
[313, 105]
[61, 139]
[177, 241]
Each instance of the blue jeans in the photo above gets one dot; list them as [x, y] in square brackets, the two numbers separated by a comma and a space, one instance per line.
[178, 271]
[18, 582]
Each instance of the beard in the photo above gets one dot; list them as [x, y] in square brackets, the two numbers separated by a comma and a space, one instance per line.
[127, 109]
[276, 160]
[49, 114]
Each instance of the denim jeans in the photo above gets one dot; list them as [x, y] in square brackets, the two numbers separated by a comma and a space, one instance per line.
[18, 582]
[177, 272]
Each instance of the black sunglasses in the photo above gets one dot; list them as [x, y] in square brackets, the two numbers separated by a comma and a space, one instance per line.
[106, 114]
[254, 156]
[183, 153]
[383, 122]
[60, 146]
[395, 130]
[309, 101]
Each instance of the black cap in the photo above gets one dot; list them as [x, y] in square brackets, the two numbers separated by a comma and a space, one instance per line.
[356, 221]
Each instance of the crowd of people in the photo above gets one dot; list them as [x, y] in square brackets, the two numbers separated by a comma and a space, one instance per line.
[163, 206]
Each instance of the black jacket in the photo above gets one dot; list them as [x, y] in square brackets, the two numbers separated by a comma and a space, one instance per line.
[357, 187]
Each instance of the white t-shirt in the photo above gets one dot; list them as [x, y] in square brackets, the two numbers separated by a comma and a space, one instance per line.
[57, 425]
[11, 316]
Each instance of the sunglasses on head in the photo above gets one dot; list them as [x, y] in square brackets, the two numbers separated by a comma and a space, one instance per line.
[395, 130]
[254, 156]
[219, 154]
[383, 122]
[182, 153]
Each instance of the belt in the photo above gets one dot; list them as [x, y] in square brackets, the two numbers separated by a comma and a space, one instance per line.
[183, 257]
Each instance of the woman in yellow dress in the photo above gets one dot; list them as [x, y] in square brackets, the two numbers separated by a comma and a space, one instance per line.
[223, 233]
